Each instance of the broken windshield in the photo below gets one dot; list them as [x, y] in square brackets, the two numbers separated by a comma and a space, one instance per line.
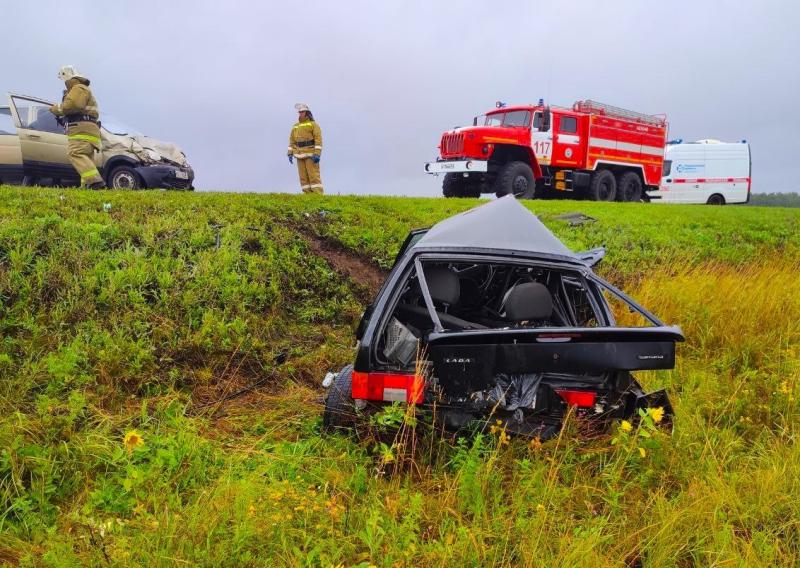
[116, 126]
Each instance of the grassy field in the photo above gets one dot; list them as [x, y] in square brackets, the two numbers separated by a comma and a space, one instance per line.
[127, 321]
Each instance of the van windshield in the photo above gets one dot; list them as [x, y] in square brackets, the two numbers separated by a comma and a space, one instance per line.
[116, 126]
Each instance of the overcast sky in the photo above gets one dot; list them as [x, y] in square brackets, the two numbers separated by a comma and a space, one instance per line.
[384, 79]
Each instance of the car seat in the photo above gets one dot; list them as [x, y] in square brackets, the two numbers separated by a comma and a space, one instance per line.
[529, 302]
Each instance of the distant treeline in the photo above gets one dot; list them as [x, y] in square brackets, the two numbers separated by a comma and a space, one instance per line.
[775, 199]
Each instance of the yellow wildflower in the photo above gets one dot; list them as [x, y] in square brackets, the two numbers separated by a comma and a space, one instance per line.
[657, 414]
[626, 426]
[642, 452]
[133, 440]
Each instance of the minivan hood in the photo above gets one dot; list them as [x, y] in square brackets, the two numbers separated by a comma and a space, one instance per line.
[138, 145]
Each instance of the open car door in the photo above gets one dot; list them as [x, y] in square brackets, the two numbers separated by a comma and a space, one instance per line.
[43, 141]
[10, 154]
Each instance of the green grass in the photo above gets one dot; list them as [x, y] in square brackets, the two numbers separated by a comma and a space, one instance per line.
[130, 317]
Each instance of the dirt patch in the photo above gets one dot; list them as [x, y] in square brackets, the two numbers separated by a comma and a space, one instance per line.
[365, 274]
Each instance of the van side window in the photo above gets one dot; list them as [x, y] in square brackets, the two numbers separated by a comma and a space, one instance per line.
[667, 168]
[568, 125]
[6, 123]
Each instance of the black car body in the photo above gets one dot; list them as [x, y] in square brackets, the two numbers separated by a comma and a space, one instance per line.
[489, 315]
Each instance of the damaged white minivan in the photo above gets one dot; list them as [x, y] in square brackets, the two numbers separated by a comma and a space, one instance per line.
[33, 151]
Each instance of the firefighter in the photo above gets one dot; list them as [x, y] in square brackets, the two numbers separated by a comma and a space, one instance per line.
[305, 144]
[79, 114]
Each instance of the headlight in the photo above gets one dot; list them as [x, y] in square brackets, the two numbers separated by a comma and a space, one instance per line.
[153, 155]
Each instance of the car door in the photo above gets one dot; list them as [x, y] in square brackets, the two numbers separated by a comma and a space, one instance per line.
[10, 155]
[568, 150]
[42, 140]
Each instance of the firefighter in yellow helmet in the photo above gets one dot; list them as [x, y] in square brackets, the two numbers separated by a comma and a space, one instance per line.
[305, 145]
[79, 114]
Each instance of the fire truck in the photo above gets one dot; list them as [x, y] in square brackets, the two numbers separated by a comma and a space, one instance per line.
[591, 150]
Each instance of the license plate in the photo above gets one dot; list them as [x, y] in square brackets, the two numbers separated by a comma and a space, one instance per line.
[181, 175]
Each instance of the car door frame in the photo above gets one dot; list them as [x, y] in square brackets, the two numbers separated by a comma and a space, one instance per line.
[44, 153]
[11, 170]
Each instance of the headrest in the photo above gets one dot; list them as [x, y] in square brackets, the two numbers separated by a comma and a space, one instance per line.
[443, 285]
[529, 301]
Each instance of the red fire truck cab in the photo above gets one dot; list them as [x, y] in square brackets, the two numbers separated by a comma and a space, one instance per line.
[591, 150]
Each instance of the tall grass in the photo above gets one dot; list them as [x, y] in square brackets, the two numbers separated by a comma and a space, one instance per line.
[135, 319]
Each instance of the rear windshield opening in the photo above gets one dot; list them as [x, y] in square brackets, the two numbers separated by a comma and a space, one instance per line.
[480, 296]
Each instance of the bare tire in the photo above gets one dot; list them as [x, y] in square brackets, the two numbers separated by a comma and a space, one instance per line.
[515, 178]
[340, 410]
[629, 187]
[603, 186]
[716, 199]
[124, 177]
[453, 185]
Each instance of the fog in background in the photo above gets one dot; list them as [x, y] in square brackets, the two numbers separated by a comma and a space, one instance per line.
[384, 79]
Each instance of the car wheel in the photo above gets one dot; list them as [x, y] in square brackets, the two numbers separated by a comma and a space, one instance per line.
[340, 410]
[629, 187]
[603, 186]
[716, 199]
[124, 177]
[515, 178]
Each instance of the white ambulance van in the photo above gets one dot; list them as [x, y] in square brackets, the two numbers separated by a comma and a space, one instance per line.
[706, 171]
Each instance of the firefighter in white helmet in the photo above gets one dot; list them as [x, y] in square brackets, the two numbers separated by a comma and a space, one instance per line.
[79, 114]
[305, 145]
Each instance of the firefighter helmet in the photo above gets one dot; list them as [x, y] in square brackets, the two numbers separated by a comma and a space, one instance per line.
[302, 107]
[69, 72]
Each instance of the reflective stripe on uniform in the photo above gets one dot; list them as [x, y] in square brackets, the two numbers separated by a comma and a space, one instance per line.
[318, 147]
[307, 123]
[89, 173]
[303, 155]
[86, 137]
[313, 185]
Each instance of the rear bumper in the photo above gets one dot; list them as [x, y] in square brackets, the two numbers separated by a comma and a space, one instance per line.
[456, 166]
[166, 177]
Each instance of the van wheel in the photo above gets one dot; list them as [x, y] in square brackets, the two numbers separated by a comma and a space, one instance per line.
[603, 186]
[629, 187]
[124, 177]
[340, 410]
[453, 185]
[716, 199]
[515, 178]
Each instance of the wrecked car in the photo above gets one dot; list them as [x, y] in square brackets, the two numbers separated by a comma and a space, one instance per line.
[33, 151]
[488, 316]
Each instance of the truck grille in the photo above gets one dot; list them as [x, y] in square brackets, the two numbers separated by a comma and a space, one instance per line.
[452, 144]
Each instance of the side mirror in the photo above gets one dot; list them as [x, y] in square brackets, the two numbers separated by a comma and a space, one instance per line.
[475, 121]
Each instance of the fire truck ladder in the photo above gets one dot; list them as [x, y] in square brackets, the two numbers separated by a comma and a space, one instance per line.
[593, 107]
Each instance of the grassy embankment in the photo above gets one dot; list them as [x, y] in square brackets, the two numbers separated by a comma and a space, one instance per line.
[133, 321]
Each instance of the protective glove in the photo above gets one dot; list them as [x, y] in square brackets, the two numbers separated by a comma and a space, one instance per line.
[291, 159]
[316, 159]
[55, 110]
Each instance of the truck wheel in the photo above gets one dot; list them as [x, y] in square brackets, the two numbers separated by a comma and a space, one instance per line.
[453, 185]
[124, 177]
[340, 411]
[629, 187]
[515, 178]
[716, 199]
[603, 186]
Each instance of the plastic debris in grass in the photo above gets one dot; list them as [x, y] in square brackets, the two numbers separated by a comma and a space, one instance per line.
[576, 218]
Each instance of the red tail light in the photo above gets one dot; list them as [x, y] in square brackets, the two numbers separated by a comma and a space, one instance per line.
[389, 387]
[582, 399]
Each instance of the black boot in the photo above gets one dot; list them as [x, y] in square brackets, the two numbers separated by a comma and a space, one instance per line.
[97, 185]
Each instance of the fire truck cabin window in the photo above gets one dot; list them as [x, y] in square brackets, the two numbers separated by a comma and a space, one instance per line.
[568, 125]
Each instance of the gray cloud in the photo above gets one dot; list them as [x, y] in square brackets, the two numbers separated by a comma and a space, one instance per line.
[385, 79]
